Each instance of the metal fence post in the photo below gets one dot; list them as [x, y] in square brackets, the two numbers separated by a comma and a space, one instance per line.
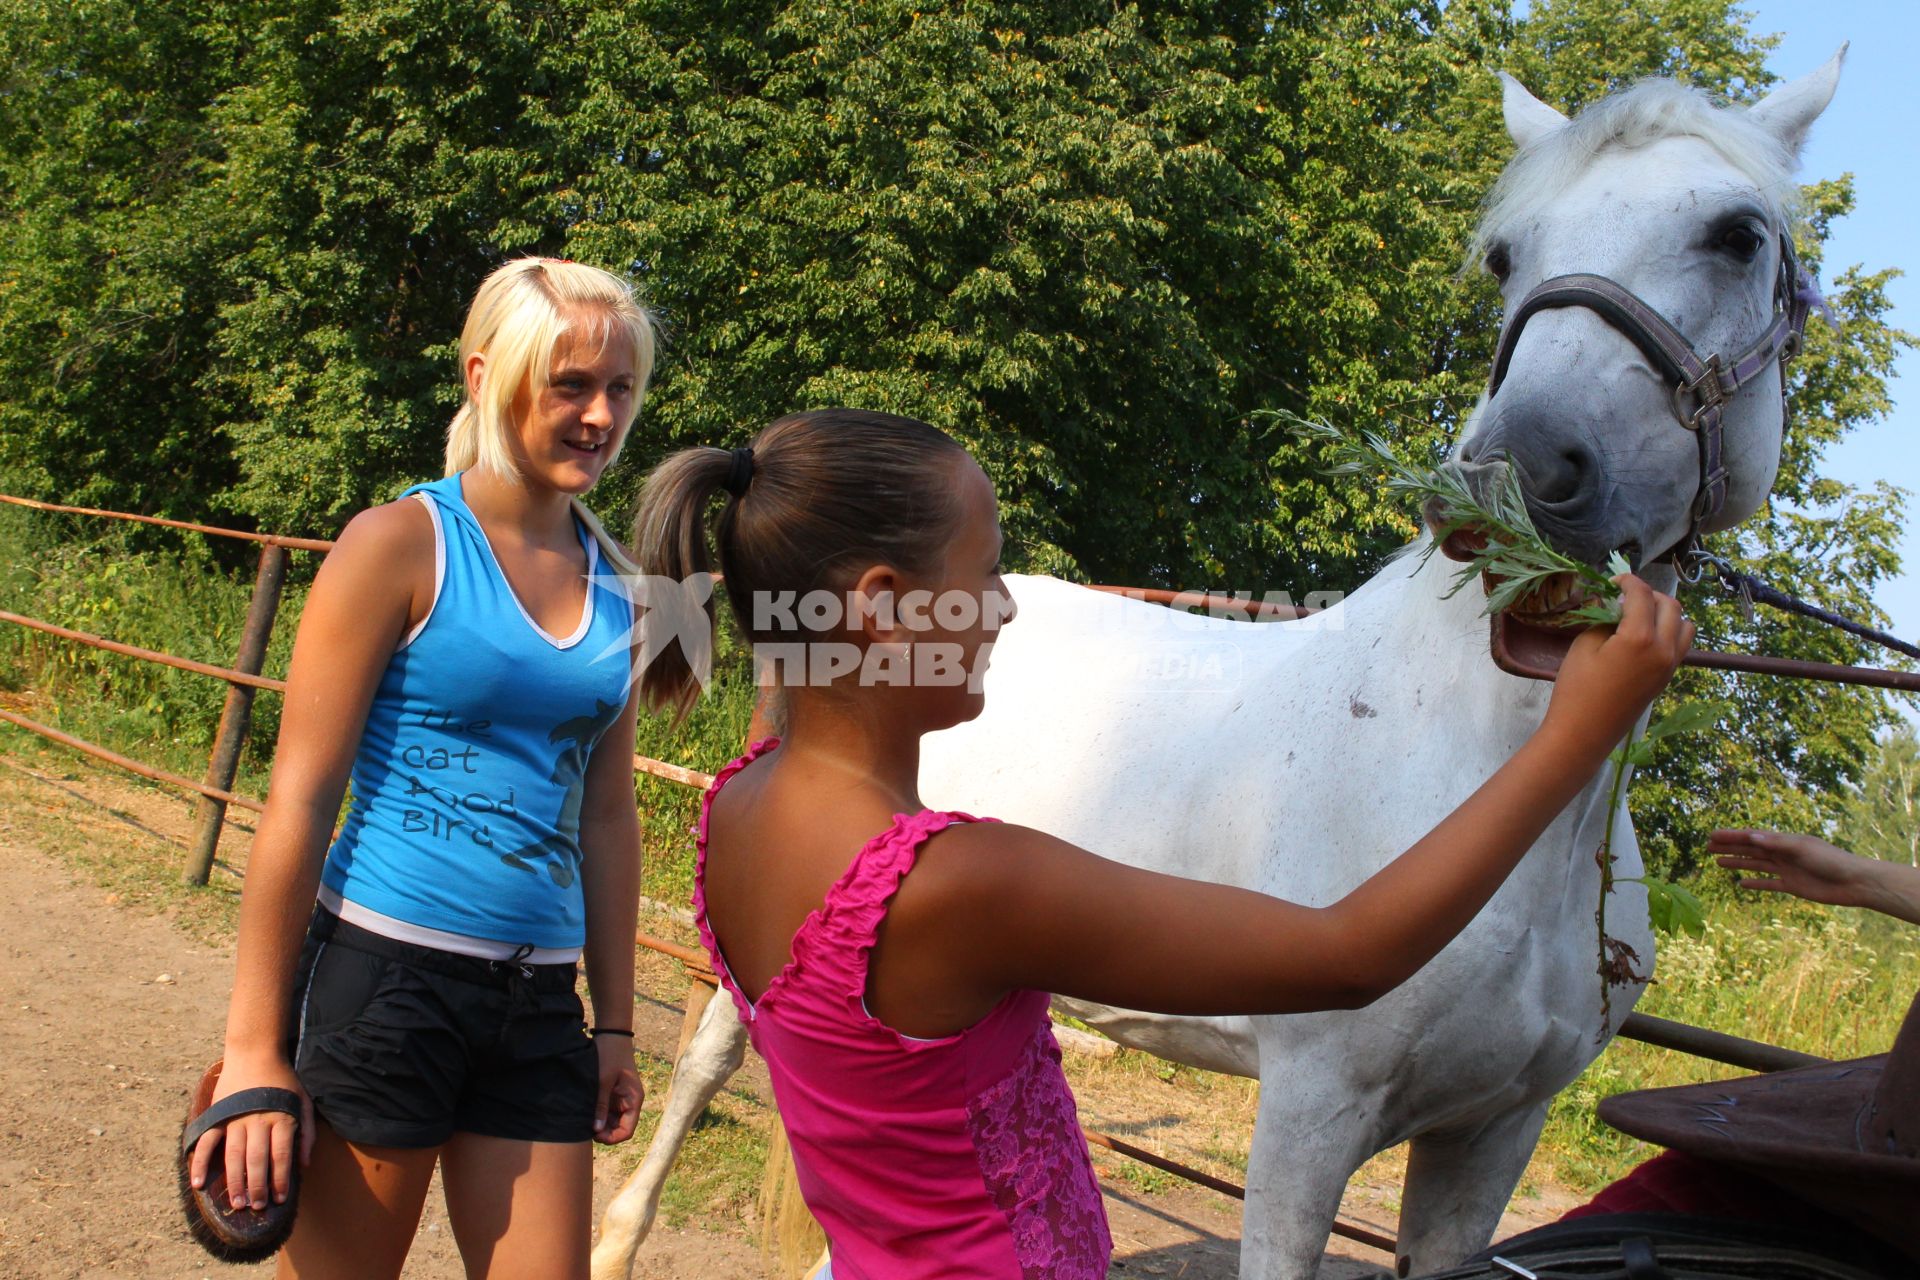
[238, 711]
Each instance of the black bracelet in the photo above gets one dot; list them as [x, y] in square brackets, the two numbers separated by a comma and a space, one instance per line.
[612, 1031]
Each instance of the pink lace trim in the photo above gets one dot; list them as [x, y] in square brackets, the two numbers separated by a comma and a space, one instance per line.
[1026, 1133]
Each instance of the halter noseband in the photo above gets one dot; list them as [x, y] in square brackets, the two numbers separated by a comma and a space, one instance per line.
[1700, 388]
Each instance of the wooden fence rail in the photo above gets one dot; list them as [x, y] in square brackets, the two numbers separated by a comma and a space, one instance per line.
[243, 678]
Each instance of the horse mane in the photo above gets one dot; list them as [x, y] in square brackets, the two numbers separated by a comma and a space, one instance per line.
[1648, 112]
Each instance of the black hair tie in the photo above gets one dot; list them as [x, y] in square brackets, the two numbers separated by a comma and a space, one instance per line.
[740, 473]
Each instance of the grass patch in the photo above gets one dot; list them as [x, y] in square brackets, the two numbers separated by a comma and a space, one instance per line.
[714, 732]
[715, 1182]
[1824, 981]
[158, 589]
[1198, 1118]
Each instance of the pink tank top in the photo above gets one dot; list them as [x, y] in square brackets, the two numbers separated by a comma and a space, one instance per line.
[959, 1157]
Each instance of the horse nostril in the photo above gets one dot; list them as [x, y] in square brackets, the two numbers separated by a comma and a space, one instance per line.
[1565, 479]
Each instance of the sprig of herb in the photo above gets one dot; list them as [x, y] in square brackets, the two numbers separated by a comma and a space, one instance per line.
[1671, 907]
[1511, 552]
[1674, 908]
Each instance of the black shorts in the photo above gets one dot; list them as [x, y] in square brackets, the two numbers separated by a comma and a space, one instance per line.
[403, 1046]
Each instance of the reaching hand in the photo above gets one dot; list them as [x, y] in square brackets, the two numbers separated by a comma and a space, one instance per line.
[1810, 868]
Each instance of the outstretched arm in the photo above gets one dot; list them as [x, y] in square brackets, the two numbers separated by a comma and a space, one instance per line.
[1808, 867]
[1014, 908]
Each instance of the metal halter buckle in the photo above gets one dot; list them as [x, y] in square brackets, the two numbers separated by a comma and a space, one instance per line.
[1706, 389]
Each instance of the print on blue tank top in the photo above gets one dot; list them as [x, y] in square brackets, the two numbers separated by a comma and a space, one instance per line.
[468, 783]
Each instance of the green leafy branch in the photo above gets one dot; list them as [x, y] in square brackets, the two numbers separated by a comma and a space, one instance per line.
[1671, 907]
[1505, 546]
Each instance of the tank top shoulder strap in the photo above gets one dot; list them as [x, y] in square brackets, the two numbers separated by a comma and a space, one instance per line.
[832, 950]
[448, 498]
[754, 752]
[445, 492]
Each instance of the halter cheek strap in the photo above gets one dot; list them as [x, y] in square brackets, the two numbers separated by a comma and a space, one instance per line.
[1700, 387]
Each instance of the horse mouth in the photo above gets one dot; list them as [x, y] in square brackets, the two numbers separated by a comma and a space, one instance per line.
[1531, 636]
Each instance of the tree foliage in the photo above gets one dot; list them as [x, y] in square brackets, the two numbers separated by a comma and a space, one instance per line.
[1882, 818]
[1094, 240]
[110, 256]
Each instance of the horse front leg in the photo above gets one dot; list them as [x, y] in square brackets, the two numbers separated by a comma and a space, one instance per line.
[716, 1051]
[1313, 1130]
[1458, 1185]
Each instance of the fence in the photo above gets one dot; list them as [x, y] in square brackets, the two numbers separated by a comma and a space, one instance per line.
[244, 681]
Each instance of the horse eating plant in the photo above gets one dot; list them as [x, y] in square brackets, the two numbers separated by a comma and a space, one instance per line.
[1500, 547]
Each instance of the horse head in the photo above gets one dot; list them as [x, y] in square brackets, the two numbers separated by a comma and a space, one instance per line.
[1645, 258]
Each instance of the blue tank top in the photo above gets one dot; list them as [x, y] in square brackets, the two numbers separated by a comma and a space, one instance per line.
[465, 818]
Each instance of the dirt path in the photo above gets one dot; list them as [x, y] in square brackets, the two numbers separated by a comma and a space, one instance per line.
[109, 1009]
[108, 1014]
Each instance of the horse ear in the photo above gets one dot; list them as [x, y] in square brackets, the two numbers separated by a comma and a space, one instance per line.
[1528, 118]
[1789, 111]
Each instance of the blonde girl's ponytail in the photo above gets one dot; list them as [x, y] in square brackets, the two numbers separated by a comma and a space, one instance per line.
[669, 549]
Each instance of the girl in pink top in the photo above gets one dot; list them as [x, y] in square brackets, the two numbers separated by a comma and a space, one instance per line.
[893, 963]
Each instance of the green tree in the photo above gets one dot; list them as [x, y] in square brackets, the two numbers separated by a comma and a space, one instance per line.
[1024, 222]
[1882, 818]
[1091, 240]
[384, 155]
[237, 239]
[111, 237]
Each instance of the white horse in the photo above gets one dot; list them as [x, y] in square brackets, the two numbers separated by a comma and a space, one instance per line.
[1298, 758]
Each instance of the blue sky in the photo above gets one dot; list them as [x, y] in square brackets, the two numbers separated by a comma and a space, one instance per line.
[1869, 132]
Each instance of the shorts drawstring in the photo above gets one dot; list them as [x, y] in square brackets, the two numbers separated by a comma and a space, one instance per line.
[458, 1043]
[520, 988]
[517, 960]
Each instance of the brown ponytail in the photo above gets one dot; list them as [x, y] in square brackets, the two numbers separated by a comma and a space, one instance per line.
[830, 492]
[670, 542]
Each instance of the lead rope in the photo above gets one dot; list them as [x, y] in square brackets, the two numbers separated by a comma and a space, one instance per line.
[1751, 590]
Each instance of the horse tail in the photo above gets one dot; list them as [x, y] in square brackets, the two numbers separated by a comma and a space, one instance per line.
[791, 1242]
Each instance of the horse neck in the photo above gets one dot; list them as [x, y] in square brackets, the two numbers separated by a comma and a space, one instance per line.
[1420, 629]
[1409, 619]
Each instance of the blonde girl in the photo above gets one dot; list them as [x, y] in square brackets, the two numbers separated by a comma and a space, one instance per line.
[463, 658]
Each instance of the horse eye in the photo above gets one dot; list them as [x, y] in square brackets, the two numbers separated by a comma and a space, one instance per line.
[1500, 262]
[1742, 241]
